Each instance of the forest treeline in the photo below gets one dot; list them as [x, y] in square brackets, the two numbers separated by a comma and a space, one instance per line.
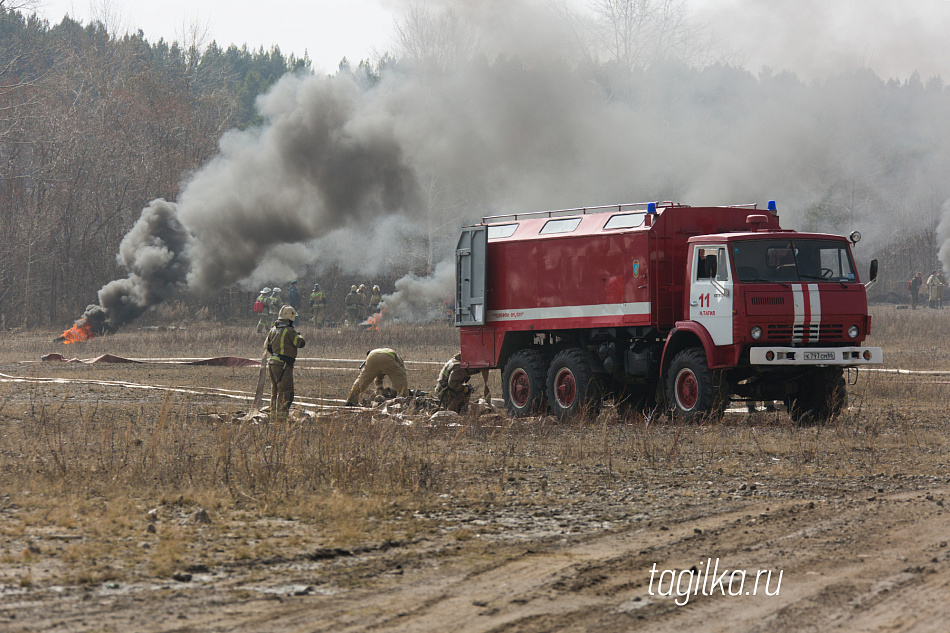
[93, 126]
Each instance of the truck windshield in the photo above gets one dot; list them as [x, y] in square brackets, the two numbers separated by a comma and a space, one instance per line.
[784, 260]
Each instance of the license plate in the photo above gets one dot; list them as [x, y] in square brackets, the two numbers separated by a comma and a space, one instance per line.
[819, 355]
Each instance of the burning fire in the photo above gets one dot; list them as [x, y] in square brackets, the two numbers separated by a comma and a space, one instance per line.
[372, 323]
[81, 331]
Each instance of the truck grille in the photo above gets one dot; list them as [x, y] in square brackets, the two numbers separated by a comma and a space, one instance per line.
[829, 332]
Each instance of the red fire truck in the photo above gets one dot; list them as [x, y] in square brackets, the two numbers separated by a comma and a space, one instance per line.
[654, 304]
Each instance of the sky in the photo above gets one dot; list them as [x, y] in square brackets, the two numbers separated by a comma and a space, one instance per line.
[805, 36]
[327, 30]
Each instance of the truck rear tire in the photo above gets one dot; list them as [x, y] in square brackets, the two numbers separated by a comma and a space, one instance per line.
[690, 388]
[821, 396]
[522, 383]
[573, 388]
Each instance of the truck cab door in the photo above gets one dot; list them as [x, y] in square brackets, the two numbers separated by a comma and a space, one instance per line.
[711, 291]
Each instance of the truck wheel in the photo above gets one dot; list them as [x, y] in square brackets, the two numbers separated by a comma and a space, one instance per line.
[522, 383]
[573, 387]
[690, 391]
[821, 396]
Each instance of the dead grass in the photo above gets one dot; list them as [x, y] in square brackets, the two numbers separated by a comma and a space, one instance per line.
[81, 460]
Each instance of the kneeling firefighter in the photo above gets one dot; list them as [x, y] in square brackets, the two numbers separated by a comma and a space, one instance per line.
[282, 344]
[453, 389]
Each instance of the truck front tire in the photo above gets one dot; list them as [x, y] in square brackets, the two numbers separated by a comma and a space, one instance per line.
[573, 387]
[522, 383]
[690, 388]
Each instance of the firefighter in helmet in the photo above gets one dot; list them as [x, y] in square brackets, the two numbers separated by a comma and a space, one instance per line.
[282, 344]
[452, 387]
[364, 302]
[352, 304]
[374, 300]
[264, 315]
[379, 364]
[318, 302]
[274, 302]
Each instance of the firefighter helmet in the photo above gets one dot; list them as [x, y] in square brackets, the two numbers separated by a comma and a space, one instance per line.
[265, 291]
[276, 290]
[375, 288]
[363, 287]
[288, 313]
[353, 288]
[316, 286]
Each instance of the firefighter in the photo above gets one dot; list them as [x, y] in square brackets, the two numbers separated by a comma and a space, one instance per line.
[282, 344]
[293, 296]
[352, 304]
[274, 302]
[364, 302]
[448, 306]
[915, 285]
[318, 302]
[264, 314]
[374, 300]
[380, 363]
[452, 387]
[940, 287]
[933, 283]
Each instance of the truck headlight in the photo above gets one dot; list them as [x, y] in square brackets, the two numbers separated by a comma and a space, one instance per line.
[853, 331]
[756, 332]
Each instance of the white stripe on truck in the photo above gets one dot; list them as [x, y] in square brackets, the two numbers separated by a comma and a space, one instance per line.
[641, 308]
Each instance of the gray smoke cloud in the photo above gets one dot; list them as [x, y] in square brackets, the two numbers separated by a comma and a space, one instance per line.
[814, 38]
[943, 237]
[420, 298]
[519, 120]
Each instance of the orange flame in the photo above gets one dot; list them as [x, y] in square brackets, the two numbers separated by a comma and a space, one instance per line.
[82, 331]
[372, 323]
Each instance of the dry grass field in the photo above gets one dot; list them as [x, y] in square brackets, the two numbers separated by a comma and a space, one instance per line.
[132, 499]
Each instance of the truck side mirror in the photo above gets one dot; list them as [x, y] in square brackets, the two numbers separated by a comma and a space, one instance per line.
[873, 274]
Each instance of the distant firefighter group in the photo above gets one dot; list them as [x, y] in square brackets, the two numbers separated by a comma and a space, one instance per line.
[359, 304]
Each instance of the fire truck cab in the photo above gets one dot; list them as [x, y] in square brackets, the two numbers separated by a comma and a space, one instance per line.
[661, 304]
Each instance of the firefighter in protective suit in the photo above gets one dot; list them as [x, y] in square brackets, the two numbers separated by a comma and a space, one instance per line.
[282, 344]
[352, 303]
[375, 299]
[453, 389]
[264, 299]
[380, 363]
[363, 295]
[274, 302]
[318, 301]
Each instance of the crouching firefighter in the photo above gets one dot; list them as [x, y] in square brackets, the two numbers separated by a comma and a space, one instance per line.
[453, 389]
[379, 364]
[282, 344]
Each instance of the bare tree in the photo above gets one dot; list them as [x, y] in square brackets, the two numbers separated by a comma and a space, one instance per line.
[19, 5]
[637, 33]
[437, 38]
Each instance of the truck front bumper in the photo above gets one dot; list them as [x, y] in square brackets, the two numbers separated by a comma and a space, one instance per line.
[844, 356]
